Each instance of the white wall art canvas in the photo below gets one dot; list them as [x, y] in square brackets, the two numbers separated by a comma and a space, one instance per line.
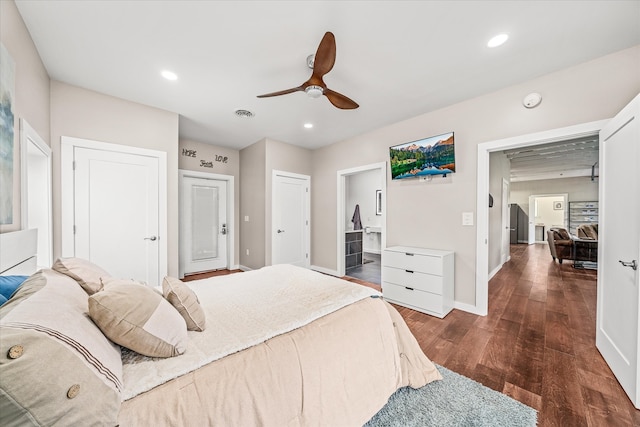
[7, 95]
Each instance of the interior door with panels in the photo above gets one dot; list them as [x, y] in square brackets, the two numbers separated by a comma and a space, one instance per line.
[617, 330]
[112, 208]
[290, 219]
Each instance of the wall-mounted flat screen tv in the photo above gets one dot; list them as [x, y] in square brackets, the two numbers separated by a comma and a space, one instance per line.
[429, 156]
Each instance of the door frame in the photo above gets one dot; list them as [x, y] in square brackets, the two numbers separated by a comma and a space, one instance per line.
[340, 211]
[67, 147]
[482, 210]
[505, 253]
[532, 206]
[229, 179]
[307, 237]
[28, 135]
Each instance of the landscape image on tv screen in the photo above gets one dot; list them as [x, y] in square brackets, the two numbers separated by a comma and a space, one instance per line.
[428, 156]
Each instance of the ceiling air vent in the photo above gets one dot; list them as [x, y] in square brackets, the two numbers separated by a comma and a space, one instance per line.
[246, 114]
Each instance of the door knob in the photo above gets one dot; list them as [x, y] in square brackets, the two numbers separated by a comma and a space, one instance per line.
[280, 231]
[633, 264]
[152, 238]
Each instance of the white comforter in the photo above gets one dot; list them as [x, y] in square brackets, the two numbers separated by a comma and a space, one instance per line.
[243, 310]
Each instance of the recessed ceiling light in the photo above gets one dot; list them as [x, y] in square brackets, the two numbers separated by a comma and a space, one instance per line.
[498, 40]
[169, 75]
[308, 125]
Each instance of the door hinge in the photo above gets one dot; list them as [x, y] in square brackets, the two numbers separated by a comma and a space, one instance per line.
[307, 189]
[74, 229]
[73, 165]
[306, 222]
[306, 255]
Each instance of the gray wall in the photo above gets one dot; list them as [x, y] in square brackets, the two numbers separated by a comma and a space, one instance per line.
[428, 214]
[31, 92]
[91, 115]
[282, 157]
[210, 154]
[252, 204]
[579, 189]
[257, 163]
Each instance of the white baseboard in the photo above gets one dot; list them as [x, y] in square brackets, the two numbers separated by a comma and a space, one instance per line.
[371, 251]
[468, 308]
[325, 270]
[244, 268]
[494, 272]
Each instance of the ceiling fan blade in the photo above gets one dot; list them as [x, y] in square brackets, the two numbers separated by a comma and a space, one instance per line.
[282, 92]
[339, 100]
[325, 56]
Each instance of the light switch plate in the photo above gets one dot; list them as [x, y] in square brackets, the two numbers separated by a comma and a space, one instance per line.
[467, 218]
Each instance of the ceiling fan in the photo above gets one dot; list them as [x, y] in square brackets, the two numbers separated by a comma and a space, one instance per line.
[314, 87]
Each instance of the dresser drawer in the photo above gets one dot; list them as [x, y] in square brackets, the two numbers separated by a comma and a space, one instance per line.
[416, 280]
[415, 262]
[422, 301]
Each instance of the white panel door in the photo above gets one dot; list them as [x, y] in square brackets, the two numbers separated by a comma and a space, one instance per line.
[505, 249]
[203, 224]
[116, 208]
[619, 248]
[290, 222]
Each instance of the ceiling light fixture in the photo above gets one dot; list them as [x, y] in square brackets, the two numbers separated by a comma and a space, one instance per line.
[169, 75]
[498, 40]
[314, 91]
[308, 125]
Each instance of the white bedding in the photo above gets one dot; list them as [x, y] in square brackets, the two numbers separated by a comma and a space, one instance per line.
[243, 310]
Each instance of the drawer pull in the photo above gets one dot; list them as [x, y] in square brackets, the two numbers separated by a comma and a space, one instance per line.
[406, 287]
[408, 254]
[409, 271]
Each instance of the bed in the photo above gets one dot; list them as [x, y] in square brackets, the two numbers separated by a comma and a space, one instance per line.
[282, 346]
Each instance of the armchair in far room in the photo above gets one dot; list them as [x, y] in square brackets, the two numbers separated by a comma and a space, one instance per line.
[560, 244]
[587, 231]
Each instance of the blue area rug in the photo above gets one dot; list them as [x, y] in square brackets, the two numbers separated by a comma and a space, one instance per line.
[454, 401]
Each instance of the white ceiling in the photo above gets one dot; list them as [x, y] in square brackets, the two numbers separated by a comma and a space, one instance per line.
[397, 59]
[564, 159]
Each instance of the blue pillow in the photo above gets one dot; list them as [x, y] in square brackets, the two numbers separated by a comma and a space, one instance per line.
[8, 285]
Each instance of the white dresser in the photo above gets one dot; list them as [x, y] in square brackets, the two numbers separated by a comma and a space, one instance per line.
[418, 278]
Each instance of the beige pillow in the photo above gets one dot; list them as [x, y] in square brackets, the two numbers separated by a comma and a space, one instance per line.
[86, 273]
[185, 301]
[55, 360]
[137, 317]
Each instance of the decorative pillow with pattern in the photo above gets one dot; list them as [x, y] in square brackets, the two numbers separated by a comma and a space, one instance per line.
[86, 273]
[185, 301]
[56, 366]
[137, 317]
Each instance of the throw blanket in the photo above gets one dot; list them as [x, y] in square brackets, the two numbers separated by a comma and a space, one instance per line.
[244, 310]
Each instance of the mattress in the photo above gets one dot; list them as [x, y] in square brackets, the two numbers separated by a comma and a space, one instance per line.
[338, 367]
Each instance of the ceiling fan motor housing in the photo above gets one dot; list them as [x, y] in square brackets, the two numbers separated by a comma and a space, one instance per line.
[314, 91]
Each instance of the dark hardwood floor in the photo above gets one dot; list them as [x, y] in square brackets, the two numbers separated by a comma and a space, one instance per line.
[537, 344]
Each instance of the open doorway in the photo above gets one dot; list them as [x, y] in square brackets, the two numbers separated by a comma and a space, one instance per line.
[36, 191]
[546, 211]
[361, 221]
[484, 150]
